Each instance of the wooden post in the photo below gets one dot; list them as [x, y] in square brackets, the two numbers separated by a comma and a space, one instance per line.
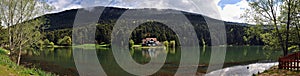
[280, 63]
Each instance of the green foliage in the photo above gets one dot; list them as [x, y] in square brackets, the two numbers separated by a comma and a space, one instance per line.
[51, 44]
[40, 43]
[173, 43]
[166, 43]
[3, 35]
[48, 43]
[157, 30]
[5, 61]
[23, 31]
[26, 35]
[103, 33]
[294, 48]
[235, 31]
[45, 43]
[3, 51]
[277, 31]
[153, 30]
[131, 43]
[66, 41]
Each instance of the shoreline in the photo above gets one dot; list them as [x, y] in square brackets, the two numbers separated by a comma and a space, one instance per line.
[274, 71]
[10, 68]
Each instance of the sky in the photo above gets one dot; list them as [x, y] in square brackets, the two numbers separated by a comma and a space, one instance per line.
[228, 10]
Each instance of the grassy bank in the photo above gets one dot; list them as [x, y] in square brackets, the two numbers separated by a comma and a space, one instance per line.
[9, 68]
[274, 71]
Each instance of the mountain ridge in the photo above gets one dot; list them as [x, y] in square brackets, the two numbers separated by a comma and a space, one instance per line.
[61, 17]
[63, 22]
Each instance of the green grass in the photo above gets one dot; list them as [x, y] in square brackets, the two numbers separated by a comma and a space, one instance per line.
[274, 71]
[10, 68]
[137, 46]
[3, 51]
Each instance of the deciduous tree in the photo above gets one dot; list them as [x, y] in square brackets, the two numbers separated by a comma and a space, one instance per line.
[17, 16]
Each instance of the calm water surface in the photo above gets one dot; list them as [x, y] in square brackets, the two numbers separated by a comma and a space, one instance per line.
[61, 61]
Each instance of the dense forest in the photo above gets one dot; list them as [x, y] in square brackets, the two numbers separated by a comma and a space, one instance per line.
[60, 25]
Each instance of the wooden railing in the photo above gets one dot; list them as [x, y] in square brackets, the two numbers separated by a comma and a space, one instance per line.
[290, 62]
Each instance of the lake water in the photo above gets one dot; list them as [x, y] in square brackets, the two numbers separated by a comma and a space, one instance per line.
[61, 60]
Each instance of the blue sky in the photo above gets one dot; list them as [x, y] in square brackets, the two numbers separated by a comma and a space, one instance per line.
[223, 3]
[228, 10]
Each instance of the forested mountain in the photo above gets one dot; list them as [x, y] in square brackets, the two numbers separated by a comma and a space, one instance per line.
[60, 25]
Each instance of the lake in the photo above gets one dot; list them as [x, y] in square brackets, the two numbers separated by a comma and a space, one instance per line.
[61, 60]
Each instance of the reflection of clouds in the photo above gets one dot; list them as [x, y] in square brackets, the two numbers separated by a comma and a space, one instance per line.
[152, 52]
[247, 70]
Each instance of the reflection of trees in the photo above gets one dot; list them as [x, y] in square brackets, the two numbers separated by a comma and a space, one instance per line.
[203, 50]
[172, 50]
[257, 50]
[131, 52]
[245, 51]
[51, 54]
[267, 53]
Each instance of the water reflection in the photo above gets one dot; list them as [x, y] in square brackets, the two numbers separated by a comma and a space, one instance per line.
[152, 52]
[61, 60]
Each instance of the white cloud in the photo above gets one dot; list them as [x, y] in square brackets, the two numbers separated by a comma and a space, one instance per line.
[205, 7]
[232, 12]
[61, 5]
[72, 6]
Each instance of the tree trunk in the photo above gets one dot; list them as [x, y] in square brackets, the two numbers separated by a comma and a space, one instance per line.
[10, 43]
[19, 56]
[9, 24]
[287, 28]
[298, 34]
[20, 50]
[281, 41]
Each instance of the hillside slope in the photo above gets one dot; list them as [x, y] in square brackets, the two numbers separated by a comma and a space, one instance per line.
[61, 25]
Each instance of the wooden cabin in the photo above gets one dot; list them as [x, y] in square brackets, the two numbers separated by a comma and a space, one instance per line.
[150, 42]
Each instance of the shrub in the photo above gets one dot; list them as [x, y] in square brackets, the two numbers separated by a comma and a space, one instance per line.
[51, 44]
[131, 43]
[3, 51]
[66, 41]
[166, 43]
[40, 43]
[46, 42]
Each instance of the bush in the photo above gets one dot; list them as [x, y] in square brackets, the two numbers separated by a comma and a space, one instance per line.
[131, 43]
[166, 43]
[46, 42]
[3, 51]
[173, 43]
[66, 41]
[40, 43]
[51, 44]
